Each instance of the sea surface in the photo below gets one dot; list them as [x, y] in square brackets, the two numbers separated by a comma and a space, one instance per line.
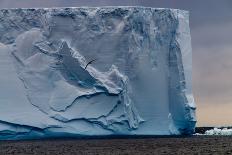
[121, 146]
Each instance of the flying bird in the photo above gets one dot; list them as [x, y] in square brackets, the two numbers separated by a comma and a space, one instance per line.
[90, 63]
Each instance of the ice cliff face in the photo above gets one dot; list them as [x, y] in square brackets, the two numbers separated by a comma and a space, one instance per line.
[139, 83]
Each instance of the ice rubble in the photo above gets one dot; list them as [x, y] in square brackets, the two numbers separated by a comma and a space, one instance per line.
[217, 131]
[140, 83]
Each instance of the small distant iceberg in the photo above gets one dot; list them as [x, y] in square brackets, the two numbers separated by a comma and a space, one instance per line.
[218, 131]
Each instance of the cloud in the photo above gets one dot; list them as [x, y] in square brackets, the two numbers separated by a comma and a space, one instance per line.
[212, 72]
[63, 3]
[212, 65]
[212, 34]
[28, 3]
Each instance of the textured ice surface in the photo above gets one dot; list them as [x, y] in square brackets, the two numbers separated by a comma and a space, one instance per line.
[139, 83]
[218, 131]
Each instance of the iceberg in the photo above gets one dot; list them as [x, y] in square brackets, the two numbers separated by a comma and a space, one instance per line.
[95, 71]
[216, 131]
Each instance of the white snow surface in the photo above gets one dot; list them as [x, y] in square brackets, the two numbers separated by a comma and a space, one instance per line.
[139, 83]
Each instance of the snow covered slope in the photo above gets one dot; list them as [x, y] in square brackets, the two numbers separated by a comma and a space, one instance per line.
[138, 84]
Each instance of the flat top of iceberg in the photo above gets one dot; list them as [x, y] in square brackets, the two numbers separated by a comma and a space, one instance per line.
[98, 7]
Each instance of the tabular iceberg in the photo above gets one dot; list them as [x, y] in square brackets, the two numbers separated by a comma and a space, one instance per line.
[139, 81]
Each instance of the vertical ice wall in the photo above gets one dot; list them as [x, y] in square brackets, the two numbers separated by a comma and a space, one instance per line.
[139, 83]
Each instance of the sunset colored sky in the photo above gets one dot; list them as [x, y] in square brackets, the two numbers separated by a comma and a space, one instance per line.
[211, 30]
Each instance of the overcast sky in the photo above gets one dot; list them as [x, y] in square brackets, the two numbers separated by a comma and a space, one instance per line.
[211, 29]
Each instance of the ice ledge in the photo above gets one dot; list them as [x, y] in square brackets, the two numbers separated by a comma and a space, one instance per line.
[100, 7]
